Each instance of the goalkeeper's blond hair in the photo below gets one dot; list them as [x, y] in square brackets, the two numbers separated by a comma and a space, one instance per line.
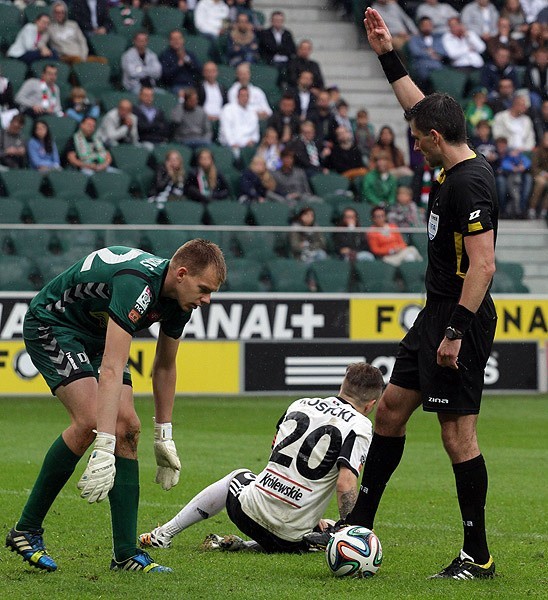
[199, 254]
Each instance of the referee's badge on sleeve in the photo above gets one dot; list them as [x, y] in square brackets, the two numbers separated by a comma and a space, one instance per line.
[433, 223]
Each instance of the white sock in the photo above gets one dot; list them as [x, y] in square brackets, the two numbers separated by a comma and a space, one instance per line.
[207, 503]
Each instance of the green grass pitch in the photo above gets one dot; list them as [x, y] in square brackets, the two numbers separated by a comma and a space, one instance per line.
[418, 522]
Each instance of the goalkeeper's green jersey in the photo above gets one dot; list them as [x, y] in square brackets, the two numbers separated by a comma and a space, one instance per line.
[119, 283]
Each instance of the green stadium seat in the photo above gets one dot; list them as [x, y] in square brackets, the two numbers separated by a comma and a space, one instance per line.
[199, 46]
[412, 274]
[11, 21]
[227, 75]
[111, 186]
[110, 98]
[375, 277]
[165, 102]
[94, 212]
[32, 242]
[133, 160]
[420, 241]
[123, 237]
[61, 128]
[68, 184]
[48, 210]
[184, 212]
[165, 242]
[51, 266]
[246, 155]
[77, 242]
[11, 210]
[508, 279]
[16, 273]
[224, 159]
[264, 76]
[93, 76]
[63, 70]
[450, 81]
[324, 214]
[332, 275]
[164, 19]
[32, 11]
[22, 183]
[288, 275]
[126, 25]
[138, 212]
[260, 245]
[157, 43]
[329, 183]
[270, 214]
[111, 47]
[226, 212]
[243, 275]
[13, 69]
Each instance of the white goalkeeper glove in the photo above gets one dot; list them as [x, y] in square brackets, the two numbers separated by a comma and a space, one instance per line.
[169, 465]
[98, 478]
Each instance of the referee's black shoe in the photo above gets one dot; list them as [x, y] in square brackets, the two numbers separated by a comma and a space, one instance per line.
[463, 567]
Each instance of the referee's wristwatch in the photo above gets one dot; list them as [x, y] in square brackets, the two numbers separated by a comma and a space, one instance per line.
[453, 334]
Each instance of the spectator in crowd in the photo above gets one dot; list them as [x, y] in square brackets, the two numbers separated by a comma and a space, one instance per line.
[80, 106]
[307, 246]
[242, 44]
[211, 17]
[41, 148]
[86, 152]
[92, 16]
[169, 180]
[477, 109]
[31, 43]
[540, 121]
[426, 52]
[212, 95]
[13, 152]
[399, 23]
[308, 152]
[40, 96]
[285, 120]
[481, 17]
[257, 98]
[140, 65]
[504, 96]
[180, 68]
[405, 212]
[386, 146]
[323, 118]
[515, 125]
[483, 142]
[341, 114]
[239, 124]
[119, 125]
[152, 124]
[302, 62]
[206, 183]
[257, 183]
[438, 12]
[536, 80]
[512, 10]
[386, 242]
[503, 39]
[538, 203]
[276, 44]
[364, 134]
[192, 127]
[535, 38]
[269, 149]
[305, 100]
[515, 167]
[65, 35]
[291, 182]
[379, 185]
[350, 245]
[496, 69]
[7, 102]
[532, 9]
[463, 48]
[345, 157]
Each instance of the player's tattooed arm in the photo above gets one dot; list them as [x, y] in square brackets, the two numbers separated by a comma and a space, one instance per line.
[346, 503]
[347, 492]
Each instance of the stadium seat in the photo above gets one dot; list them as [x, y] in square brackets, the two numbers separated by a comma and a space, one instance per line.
[111, 47]
[133, 160]
[94, 77]
[199, 46]
[51, 266]
[165, 102]
[450, 81]
[89, 212]
[329, 183]
[127, 25]
[270, 214]
[16, 273]
[63, 70]
[246, 155]
[122, 237]
[508, 279]
[32, 11]
[260, 245]
[48, 210]
[32, 242]
[157, 43]
[288, 275]
[164, 19]
[331, 275]
[226, 212]
[227, 75]
[22, 183]
[138, 212]
[420, 241]
[110, 98]
[243, 275]
[110, 186]
[264, 76]
[375, 277]
[11, 210]
[76, 242]
[164, 243]
[160, 151]
[61, 128]
[224, 159]
[184, 212]
[413, 276]
[13, 69]
[324, 214]
[67, 184]
[11, 21]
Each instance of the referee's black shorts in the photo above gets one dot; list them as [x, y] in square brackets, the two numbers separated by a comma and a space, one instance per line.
[444, 389]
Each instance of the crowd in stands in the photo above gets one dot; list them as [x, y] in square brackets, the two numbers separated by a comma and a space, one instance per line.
[228, 106]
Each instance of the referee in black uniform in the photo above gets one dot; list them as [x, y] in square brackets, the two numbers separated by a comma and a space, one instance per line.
[440, 362]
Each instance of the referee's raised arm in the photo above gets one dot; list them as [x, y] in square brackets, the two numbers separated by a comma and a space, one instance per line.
[380, 40]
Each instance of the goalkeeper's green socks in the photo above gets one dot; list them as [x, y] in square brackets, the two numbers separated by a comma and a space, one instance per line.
[124, 505]
[59, 464]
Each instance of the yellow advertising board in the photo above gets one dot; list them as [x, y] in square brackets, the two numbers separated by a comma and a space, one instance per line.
[202, 368]
[390, 318]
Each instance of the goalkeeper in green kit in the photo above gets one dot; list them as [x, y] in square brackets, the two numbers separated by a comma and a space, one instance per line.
[78, 333]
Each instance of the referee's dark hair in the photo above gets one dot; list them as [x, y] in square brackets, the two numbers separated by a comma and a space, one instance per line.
[442, 113]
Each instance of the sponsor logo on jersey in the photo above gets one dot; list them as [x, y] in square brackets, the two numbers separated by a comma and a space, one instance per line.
[282, 488]
[433, 224]
[438, 400]
[133, 316]
[143, 301]
[474, 215]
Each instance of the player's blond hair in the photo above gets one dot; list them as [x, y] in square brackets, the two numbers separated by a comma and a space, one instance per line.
[362, 382]
[197, 255]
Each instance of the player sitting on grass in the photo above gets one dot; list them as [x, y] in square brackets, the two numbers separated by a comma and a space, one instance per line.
[320, 447]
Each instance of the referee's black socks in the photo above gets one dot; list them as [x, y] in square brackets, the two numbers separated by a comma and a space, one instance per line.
[471, 481]
[382, 459]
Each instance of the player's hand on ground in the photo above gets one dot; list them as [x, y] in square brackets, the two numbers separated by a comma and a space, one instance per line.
[98, 478]
[167, 459]
[378, 34]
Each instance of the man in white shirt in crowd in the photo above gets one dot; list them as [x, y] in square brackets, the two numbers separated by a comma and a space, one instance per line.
[140, 65]
[464, 48]
[239, 123]
[515, 125]
[481, 17]
[210, 17]
[438, 12]
[212, 95]
[119, 126]
[257, 98]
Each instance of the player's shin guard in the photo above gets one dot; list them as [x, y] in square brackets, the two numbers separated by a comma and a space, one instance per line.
[382, 459]
[124, 504]
[59, 464]
[471, 482]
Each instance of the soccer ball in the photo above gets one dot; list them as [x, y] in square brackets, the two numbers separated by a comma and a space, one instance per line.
[354, 551]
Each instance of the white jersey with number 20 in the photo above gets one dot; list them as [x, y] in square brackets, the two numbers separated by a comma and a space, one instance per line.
[315, 436]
